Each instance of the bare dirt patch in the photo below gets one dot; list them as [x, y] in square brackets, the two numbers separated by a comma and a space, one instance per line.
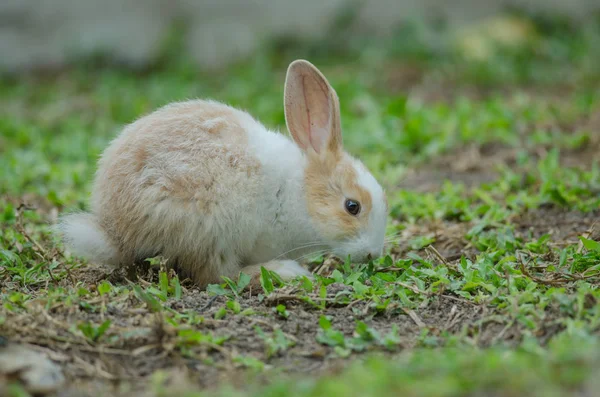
[564, 227]
[479, 164]
[471, 166]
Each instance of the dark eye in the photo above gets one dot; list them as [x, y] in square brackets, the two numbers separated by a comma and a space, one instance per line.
[352, 206]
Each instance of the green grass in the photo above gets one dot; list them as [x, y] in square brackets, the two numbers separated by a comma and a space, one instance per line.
[534, 294]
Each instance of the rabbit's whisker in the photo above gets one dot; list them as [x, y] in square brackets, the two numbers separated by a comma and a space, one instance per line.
[309, 245]
[312, 254]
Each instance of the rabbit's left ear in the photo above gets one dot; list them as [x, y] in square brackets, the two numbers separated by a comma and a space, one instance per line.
[312, 110]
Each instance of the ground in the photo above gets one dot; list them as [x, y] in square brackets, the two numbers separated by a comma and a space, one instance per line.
[489, 285]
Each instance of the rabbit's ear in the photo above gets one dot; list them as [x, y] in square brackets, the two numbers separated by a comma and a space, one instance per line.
[312, 111]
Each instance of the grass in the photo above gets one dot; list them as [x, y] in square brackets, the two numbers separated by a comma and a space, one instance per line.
[489, 286]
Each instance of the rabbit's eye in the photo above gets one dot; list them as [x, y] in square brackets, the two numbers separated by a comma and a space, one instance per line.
[352, 206]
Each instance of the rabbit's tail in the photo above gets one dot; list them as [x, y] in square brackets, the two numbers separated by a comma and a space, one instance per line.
[84, 237]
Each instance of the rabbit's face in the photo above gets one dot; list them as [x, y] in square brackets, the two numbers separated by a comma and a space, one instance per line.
[347, 206]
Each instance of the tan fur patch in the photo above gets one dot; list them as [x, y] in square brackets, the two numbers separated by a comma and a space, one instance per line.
[188, 156]
[329, 182]
[140, 155]
[214, 118]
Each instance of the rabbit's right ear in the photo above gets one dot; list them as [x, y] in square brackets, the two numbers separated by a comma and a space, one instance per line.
[312, 110]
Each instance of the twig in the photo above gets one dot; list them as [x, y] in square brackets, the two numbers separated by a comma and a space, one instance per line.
[255, 321]
[22, 230]
[288, 297]
[455, 315]
[414, 317]
[431, 249]
[457, 299]
[45, 341]
[208, 304]
[143, 349]
[94, 369]
[503, 331]
[354, 302]
[412, 288]
[537, 279]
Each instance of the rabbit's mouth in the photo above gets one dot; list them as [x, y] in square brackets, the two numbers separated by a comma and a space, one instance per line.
[365, 257]
[357, 252]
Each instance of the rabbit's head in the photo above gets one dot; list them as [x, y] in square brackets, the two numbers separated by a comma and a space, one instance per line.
[346, 204]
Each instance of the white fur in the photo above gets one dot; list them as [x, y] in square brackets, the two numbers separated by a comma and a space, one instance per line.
[84, 236]
[288, 269]
[290, 226]
[374, 235]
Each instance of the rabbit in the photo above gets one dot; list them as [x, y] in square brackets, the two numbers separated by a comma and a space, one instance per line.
[211, 189]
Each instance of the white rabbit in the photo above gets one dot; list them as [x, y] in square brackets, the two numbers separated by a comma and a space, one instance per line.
[211, 189]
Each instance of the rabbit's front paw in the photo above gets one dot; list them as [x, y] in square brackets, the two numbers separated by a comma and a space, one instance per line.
[289, 270]
[286, 269]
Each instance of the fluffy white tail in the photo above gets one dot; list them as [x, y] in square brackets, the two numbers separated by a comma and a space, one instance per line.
[84, 237]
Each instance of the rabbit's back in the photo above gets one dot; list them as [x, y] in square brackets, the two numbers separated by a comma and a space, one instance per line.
[176, 182]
